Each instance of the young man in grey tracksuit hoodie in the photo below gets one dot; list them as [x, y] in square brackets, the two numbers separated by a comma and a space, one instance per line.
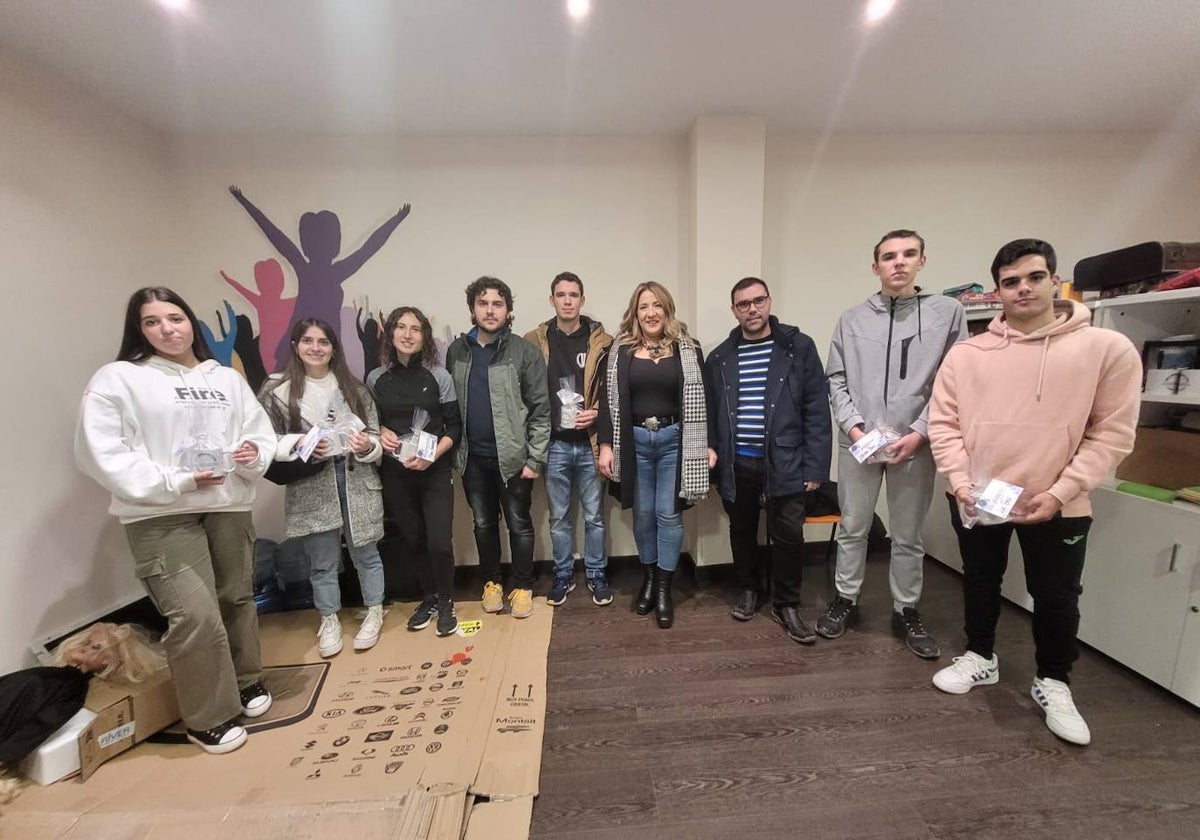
[882, 361]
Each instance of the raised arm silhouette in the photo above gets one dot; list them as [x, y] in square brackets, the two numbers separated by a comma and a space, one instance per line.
[319, 274]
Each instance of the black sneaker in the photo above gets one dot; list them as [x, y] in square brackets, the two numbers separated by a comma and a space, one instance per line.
[796, 628]
[839, 615]
[562, 586]
[747, 605]
[423, 614]
[601, 592]
[447, 621]
[256, 700]
[907, 625]
[224, 738]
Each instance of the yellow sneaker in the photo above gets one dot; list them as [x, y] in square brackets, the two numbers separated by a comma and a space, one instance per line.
[493, 597]
[521, 601]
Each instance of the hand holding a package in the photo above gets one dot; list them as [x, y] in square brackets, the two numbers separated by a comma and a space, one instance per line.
[246, 454]
[360, 442]
[585, 418]
[1041, 508]
[905, 447]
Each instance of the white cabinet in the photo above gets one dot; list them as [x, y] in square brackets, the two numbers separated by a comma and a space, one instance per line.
[1138, 585]
[1141, 582]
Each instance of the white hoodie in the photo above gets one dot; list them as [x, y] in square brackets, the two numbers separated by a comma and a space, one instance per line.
[134, 419]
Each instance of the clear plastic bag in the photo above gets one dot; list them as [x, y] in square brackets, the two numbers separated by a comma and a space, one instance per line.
[418, 442]
[572, 402]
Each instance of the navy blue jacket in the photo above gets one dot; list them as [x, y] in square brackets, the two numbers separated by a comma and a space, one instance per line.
[799, 431]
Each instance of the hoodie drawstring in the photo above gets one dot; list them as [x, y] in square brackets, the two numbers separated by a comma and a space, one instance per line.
[1042, 367]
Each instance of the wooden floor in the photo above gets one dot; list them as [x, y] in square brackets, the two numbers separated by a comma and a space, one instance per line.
[723, 729]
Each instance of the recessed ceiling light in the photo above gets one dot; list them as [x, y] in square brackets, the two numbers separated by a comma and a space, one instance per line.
[579, 8]
[877, 10]
[175, 5]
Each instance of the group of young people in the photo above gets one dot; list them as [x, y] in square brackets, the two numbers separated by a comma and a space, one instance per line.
[1042, 401]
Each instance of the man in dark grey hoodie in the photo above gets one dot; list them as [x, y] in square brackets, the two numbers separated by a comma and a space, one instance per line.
[882, 361]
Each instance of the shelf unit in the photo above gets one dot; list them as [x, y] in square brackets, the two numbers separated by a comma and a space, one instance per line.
[1141, 583]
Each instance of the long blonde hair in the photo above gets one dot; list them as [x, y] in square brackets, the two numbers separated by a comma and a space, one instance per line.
[128, 652]
[630, 331]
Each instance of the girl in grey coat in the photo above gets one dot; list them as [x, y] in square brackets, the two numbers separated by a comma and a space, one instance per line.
[317, 389]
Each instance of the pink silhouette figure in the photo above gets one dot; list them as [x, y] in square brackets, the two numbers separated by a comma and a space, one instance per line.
[274, 310]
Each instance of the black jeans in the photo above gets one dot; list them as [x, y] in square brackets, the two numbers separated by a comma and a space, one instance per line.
[1054, 553]
[785, 527]
[421, 504]
[487, 493]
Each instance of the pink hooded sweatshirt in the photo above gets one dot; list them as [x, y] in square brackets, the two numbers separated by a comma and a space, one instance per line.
[1054, 410]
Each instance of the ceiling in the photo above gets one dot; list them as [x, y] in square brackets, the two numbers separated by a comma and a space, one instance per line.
[631, 67]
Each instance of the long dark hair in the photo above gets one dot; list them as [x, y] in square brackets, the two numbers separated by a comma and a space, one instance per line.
[387, 350]
[294, 373]
[134, 345]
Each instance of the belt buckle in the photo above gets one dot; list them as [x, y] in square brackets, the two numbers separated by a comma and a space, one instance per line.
[651, 423]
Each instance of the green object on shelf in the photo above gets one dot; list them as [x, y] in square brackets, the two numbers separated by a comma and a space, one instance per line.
[1146, 491]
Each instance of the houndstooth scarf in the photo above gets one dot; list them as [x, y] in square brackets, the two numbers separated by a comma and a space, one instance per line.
[693, 479]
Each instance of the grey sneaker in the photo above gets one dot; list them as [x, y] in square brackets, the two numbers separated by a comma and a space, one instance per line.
[839, 615]
[907, 625]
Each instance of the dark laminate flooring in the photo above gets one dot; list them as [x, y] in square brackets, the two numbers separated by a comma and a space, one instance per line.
[719, 728]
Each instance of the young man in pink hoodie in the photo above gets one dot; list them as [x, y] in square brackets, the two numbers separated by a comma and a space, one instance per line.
[1048, 403]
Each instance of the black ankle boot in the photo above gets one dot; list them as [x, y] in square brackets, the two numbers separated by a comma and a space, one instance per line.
[644, 602]
[664, 610]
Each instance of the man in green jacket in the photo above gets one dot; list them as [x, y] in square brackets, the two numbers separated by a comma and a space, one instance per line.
[501, 383]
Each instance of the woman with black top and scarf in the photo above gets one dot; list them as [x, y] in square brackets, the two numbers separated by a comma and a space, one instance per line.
[418, 493]
[653, 436]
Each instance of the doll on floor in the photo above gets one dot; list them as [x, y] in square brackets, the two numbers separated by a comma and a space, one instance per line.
[35, 702]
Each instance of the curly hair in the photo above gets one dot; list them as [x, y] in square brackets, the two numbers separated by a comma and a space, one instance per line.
[387, 350]
[630, 331]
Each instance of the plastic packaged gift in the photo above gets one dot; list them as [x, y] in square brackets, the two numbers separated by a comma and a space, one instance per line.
[873, 447]
[418, 442]
[203, 450]
[343, 422]
[994, 502]
[572, 402]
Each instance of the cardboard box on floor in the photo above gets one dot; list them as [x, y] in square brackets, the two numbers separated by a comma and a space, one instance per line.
[421, 724]
[126, 714]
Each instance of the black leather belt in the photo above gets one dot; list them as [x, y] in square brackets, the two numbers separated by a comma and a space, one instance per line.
[656, 423]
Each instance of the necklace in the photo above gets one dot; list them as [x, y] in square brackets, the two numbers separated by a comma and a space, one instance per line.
[655, 351]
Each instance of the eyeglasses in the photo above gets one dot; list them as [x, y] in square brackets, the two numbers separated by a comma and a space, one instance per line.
[758, 303]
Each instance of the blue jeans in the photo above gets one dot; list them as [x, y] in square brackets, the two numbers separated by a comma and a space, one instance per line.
[324, 550]
[571, 463]
[657, 521]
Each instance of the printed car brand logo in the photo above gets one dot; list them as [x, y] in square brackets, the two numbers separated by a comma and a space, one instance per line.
[391, 719]
[330, 756]
[446, 715]
[413, 732]
[333, 713]
[392, 767]
[316, 774]
[436, 687]
[519, 728]
[358, 724]
[368, 710]
[440, 729]
[412, 689]
[381, 735]
[342, 741]
[356, 769]
[367, 751]
[425, 666]
[419, 716]
[456, 684]
[296, 760]
[402, 749]
[433, 747]
[346, 695]
[441, 675]
[310, 745]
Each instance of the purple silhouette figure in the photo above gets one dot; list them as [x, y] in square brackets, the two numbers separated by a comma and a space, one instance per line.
[318, 277]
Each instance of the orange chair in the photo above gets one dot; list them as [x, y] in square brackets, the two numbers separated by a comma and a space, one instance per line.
[832, 520]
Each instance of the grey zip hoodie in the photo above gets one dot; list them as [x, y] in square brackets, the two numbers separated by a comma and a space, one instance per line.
[883, 357]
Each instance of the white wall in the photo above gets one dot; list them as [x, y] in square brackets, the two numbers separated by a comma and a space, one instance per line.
[84, 219]
[521, 209]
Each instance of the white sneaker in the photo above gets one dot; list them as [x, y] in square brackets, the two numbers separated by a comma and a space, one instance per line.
[966, 672]
[1062, 718]
[368, 632]
[329, 636]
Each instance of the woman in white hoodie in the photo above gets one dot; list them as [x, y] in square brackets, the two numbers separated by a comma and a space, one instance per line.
[344, 499]
[179, 441]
